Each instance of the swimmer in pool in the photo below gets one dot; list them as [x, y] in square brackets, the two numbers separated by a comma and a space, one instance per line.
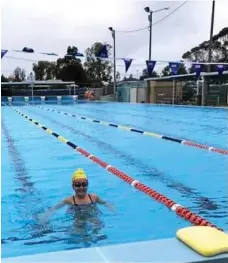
[81, 198]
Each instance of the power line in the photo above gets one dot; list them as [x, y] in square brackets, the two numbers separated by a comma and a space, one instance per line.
[170, 13]
[143, 28]
[131, 31]
[24, 59]
[6, 70]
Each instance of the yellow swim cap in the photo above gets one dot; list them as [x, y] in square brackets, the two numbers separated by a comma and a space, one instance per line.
[79, 174]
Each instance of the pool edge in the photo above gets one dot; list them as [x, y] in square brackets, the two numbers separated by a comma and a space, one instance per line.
[160, 250]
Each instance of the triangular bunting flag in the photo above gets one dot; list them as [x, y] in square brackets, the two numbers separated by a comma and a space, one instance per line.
[3, 52]
[127, 62]
[174, 66]
[150, 66]
[197, 68]
[28, 50]
[220, 68]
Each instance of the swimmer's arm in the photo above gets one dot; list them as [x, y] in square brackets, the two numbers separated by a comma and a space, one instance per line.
[102, 202]
[56, 207]
[66, 201]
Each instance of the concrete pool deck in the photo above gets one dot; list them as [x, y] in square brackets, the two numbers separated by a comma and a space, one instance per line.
[161, 250]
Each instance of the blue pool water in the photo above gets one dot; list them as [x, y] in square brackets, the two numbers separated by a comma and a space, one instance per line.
[37, 169]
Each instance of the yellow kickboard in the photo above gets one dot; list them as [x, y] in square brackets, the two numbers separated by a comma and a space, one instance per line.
[207, 241]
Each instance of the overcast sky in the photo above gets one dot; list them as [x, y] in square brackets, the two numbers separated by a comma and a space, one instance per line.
[52, 25]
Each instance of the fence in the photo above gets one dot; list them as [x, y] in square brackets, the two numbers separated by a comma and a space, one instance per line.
[13, 91]
[211, 89]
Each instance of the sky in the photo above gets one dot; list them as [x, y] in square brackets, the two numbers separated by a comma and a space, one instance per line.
[52, 25]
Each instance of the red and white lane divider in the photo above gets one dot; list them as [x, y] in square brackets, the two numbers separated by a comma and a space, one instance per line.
[172, 205]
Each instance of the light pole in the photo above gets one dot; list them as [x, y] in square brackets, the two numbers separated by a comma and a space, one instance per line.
[147, 9]
[114, 59]
[31, 80]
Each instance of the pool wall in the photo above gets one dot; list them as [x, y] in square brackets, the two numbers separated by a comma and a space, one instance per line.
[161, 250]
[38, 98]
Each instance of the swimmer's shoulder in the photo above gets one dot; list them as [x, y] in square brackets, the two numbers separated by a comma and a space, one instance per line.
[96, 199]
[69, 200]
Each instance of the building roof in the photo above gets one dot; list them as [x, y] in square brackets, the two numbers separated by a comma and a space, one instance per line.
[38, 82]
[127, 81]
[186, 76]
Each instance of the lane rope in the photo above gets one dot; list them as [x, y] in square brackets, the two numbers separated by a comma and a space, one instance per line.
[172, 205]
[152, 134]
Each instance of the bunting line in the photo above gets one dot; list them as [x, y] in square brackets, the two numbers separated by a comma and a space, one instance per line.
[78, 54]
[103, 54]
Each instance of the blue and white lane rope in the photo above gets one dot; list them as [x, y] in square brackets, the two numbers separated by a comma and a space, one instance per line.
[152, 134]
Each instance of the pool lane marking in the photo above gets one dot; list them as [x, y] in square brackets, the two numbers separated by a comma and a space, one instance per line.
[173, 206]
[152, 134]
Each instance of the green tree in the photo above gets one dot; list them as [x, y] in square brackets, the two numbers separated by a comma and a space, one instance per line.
[44, 70]
[219, 50]
[71, 53]
[18, 75]
[70, 67]
[117, 76]
[97, 68]
[4, 79]
[165, 72]
[71, 70]
[130, 78]
[145, 74]
[182, 70]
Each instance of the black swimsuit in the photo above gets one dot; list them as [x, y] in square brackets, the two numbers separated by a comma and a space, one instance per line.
[83, 204]
[85, 213]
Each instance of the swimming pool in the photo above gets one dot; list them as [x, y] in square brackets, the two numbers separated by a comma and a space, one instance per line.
[37, 169]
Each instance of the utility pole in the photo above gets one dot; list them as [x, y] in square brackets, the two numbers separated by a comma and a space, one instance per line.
[150, 35]
[211, 35]
[114, 59]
